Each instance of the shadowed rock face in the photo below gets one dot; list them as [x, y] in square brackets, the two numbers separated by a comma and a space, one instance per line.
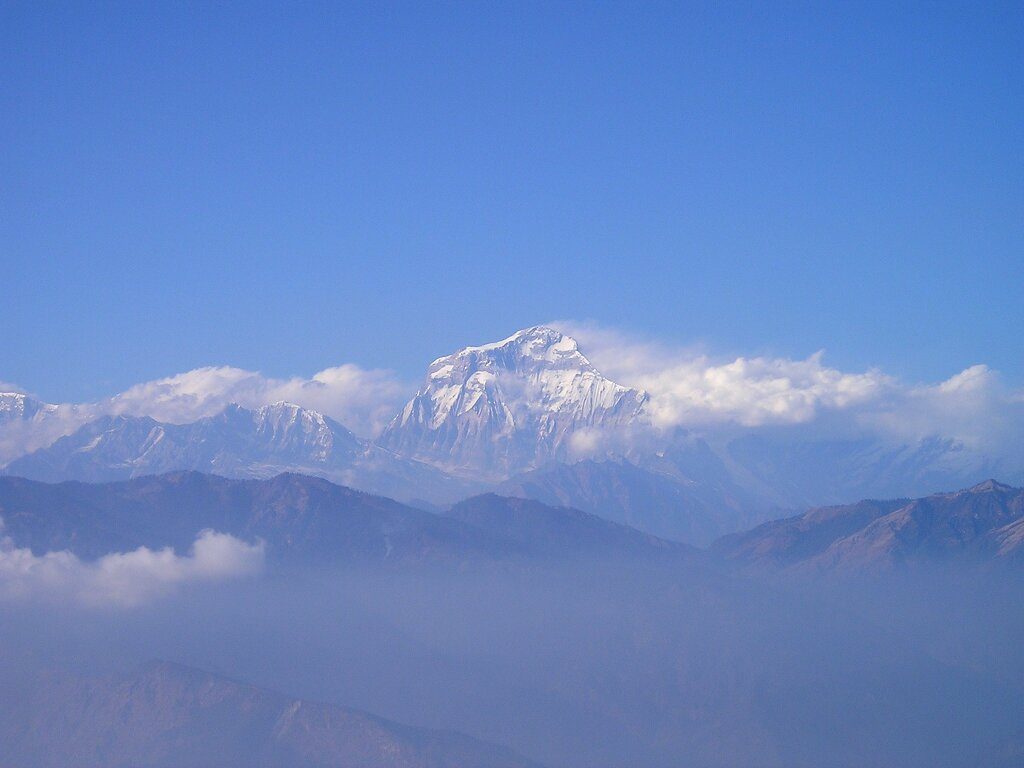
[981, 524]
[167, 715]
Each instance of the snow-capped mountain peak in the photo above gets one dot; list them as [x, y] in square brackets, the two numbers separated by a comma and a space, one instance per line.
[536, 345]
[285, 415]
[17, 405]
[509, 405]
[286, 424]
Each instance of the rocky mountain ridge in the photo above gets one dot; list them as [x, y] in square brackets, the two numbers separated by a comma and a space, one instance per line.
[982, 524]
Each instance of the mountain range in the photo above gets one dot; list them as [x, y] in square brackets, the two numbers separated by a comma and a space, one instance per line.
[237, 442]
[303, 521]
[662, 503]
[526, 416]
[306, 521]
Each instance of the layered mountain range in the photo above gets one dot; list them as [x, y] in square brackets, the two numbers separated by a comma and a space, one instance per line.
[304, 521]
[510, 558]
[565, 636]
[527, 416]
[309, 521]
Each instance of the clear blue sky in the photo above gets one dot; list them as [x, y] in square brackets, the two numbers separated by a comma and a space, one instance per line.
[289, 187]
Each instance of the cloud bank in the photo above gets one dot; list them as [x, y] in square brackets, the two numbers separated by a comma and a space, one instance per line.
[689, 389]
[124, 579]
[363, 400]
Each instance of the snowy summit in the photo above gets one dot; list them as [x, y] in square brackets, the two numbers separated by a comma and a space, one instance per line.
[510, 405]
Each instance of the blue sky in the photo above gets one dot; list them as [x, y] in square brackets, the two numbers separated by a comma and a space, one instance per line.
[284, 188]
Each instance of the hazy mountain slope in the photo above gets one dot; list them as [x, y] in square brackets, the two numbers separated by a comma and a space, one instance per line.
[1008, 541]
[600, 662]
[978, 524]
[237, 442]
[303, 519]
[938, 528]
[780, 543]
[176, 717]
[655, 502]
[510, 406]
[559, 531]
[801, 472]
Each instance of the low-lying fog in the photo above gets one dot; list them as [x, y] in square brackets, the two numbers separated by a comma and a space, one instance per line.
[594, 664]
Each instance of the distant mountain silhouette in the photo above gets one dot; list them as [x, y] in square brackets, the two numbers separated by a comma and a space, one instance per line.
[169, 716]
[984, 523]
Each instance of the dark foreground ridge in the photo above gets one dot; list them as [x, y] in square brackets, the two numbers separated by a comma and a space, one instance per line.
[305, 521]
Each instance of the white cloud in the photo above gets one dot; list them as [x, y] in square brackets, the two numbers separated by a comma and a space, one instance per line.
[689, 389]
[755, 391]
[974, 406]
[123, 579]
[363, 400]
